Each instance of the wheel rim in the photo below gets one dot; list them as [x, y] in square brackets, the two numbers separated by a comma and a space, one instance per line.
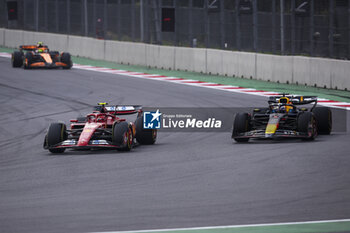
[312, 132]
[129, 138]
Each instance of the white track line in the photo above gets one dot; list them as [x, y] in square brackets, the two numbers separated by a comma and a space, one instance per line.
[233, 226]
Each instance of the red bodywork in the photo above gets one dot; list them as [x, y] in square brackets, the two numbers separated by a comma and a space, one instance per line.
[95, 121]
[97, 130]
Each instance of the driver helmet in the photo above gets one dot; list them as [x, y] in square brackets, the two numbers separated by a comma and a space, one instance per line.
[40, 44]
[101, 108]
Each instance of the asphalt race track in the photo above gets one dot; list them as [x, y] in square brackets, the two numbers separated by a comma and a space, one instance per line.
[184, 180]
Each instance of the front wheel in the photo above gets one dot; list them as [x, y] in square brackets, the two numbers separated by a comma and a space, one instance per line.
[241, 125]
[17, 59]
[122, 136]
[57, 133]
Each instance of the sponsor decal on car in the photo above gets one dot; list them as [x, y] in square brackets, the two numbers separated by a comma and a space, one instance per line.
[98, 142]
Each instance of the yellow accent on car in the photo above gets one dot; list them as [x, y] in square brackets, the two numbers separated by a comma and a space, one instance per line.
[62, 132]
[271, 129]
[102, 104]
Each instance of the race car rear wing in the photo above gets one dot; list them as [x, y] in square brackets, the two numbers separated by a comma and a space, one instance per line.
[295, 99]
[127, 109]
[31, 47]
[121, 109]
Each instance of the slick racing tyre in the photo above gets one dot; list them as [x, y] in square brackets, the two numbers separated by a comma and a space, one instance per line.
[323, 117]
[307, 124]
[28, 60]
[122, 136]
[57, 133]
[17, 59]
[66, 59]
[144, 136]
[241, 124]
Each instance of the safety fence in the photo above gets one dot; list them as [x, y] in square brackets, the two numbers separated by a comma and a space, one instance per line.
[292, 27]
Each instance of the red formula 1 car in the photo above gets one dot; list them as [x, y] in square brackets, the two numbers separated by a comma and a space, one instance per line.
[39, 56]
[103, 128]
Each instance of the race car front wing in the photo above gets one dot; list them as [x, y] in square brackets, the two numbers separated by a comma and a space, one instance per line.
[72, 143]
[278, 134]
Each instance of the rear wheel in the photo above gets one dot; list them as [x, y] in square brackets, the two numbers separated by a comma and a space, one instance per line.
[241, 125]
[122, 136]
[57, 133]
[66, 59]
[144, 136]
[323, 117]
[17, 59]
[307, 125]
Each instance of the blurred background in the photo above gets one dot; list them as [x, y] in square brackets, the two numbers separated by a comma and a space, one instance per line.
[290, 27]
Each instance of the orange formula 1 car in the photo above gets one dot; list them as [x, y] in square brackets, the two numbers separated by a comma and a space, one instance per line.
[39, 56]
